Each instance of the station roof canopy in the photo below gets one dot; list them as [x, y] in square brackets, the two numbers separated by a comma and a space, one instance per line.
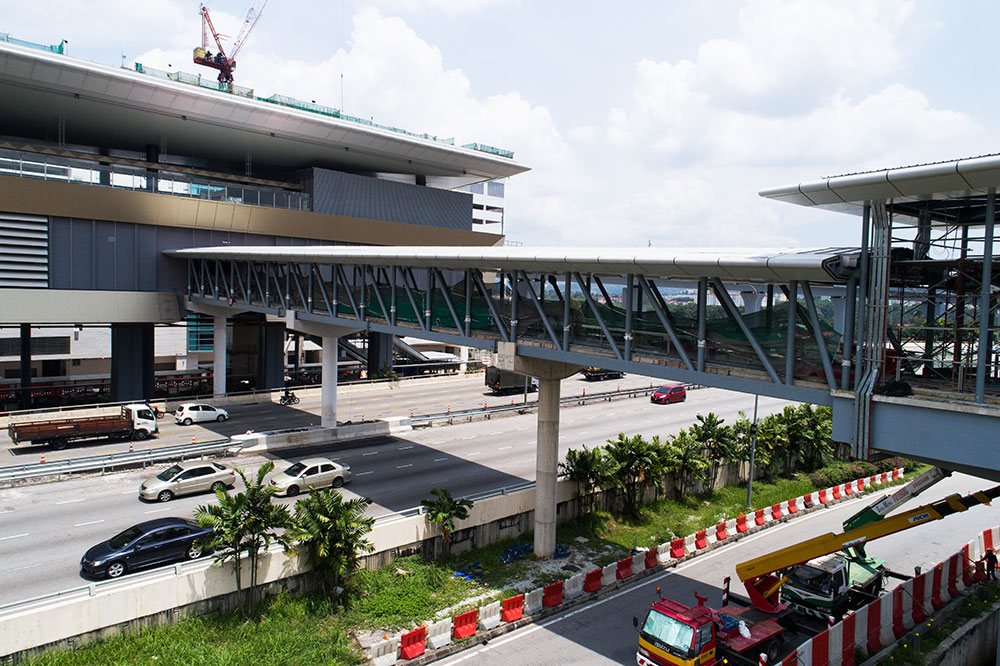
[42, 92]
[940, 187]
[823, 265]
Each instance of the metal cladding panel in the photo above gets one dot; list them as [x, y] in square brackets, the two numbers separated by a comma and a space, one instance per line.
[930, 181]
[790, 195]
[24, 251]
[982, 172]
[819, 193]
[864, 187]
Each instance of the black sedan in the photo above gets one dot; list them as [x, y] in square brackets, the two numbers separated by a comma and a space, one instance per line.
[147, 544]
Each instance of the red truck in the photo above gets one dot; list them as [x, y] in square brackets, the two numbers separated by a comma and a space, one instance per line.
[136, 421]
[677, 635]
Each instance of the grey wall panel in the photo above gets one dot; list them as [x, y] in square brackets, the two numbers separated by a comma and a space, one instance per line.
[147, 257]
[106, 247]
[82, 255]
[338, 193]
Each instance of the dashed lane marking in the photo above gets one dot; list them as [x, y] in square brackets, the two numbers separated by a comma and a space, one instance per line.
[157, 510]
[504, 448]
[78, 499]
[475, 453]
[89, 522]
[370, 453]
[14, 536]
[403, 466]
[363, 473]
[470, 437]
[440, 459]
[403, 448]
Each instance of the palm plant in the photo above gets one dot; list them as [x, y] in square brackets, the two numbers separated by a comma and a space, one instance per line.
[588, 468]
[636, 464]
[444, 510]
[333, 532]
[717, 440]
[245, 522]
[686, 459]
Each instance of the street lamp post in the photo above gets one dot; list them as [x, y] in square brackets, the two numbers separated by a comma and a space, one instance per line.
[753, 450]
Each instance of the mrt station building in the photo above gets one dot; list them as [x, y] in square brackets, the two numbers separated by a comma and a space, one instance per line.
[103, 169]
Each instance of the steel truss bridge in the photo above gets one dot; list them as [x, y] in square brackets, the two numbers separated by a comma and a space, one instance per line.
[899, 335]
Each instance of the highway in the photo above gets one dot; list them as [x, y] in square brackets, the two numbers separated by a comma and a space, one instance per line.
[355, 402]
[601, 632]
[45, 528]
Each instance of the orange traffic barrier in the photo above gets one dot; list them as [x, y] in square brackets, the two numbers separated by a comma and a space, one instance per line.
[836, 492]
[720, 531]
[822, 497]
[792, 507]
[677, 548]
[552, 595]
[413, 643]
[741, 523]
[512, 608]
[776, 511]
[624, 568]
[592, 581]
[650, 560]
[700, 539]
[464, 625]
[42, 461]
[758, 517]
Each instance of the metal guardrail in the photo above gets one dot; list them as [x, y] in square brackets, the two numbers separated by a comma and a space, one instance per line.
[111, 460]
[92, 589]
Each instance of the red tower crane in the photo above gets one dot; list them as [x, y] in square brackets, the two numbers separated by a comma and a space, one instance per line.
[222, 61]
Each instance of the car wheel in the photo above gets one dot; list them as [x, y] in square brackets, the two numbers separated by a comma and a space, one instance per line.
[292, 491]
[187, 421]
[193, 552]
[772, 651]
[58, 444]
[165, 496]
[217, 486]
[139, 435]
[338, 482]
[222, 417]
[114, 570]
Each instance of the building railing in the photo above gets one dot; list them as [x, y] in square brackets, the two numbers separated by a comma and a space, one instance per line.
[161, 181]
[59, 48]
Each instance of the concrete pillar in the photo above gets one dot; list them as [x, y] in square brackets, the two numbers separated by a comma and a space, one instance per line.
[271, 356]
[752, 301]
[219, 355]
[24, 396]
[331, 352]
[379, 353]
[546, 467]
[463, 354]
[839, 311]
[131, 362]
[549, 375]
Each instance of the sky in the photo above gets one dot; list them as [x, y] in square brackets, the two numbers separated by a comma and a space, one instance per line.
[644, 123]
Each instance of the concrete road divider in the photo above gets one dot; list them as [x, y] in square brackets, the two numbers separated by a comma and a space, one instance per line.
[533, 601]
[385, 653]
[592, 580]
[574, 586]
[512, 608]
[439, 633]
[489, 616]
[464, 625]
[412, 644]
[552, 595]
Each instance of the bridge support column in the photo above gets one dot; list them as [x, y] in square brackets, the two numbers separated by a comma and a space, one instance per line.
[271, 356]
[131, 362]
[751, 301]
[330, 335]
[24, 395]
[379, 353]
[839, 313]
[549, 374]
[219, 355]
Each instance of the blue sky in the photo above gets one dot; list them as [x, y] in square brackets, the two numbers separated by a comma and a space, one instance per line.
[644, 122]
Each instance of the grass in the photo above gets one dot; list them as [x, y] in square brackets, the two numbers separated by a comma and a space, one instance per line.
[306, 630]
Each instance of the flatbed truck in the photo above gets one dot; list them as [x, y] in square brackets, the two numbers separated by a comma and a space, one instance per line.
[501, 382]
[136, 421]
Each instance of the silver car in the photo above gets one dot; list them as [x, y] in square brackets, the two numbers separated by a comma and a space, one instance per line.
[198, 412]
[310, 473]
[187, 478]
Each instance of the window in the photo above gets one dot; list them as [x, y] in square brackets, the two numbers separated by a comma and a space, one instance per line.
[669, 631]
[145, 414]
[477, 188]
[169, 473]
[219, 467]
[494, 189]
[311, 471]
[326, 468]
[295, 469]
[188, 475]
[171, 533]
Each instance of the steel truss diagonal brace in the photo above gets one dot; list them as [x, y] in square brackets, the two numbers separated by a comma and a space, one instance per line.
[597, 316]
[660, 308]
[730, 308]
[540, 309]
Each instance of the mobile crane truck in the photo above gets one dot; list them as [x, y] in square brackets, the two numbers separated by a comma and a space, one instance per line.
[674, 634]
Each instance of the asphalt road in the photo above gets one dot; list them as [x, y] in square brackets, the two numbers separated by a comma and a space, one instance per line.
[355, 402]
[601, 632]
[44, 529]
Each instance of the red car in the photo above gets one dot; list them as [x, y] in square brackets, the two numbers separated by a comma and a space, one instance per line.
[668, 393]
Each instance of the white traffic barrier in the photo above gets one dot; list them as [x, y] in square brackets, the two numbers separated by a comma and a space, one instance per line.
[885, 634]
[907, 587]
[861, 628]
[439, 633]
[689, 544]
[638, 563]
[384, 653]
[533, 601]
[573, 587]
[731, 527]
[489, 616]
[836, 640]
[663, 553]
[608, 575]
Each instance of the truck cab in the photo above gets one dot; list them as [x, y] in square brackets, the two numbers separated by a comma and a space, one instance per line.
[823, 586]
[143, 420]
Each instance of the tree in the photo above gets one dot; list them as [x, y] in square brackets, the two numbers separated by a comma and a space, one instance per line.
[588, 468]
[333, 533]
[684, 457]
[247, 521]
[444, 510]
[636, 463]
[716, 439]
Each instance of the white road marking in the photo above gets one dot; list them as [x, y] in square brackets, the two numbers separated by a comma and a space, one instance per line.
[363, 473]
[585, 432]
[14, 536]
[403, 448]
[470, 437]
[78, 499]
[403, 466]
[157, 510]
[129, 492]
[475, 453]
[91, 522]
[504, 448]
[440, 459]
[370, 453]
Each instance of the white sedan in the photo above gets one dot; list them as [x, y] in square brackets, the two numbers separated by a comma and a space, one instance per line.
[199, 412]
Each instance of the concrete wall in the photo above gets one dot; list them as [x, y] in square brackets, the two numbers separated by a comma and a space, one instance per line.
[973, 644]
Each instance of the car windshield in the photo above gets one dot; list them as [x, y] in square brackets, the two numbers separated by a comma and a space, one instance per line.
[123, 539]
[673, 633]
[295, 469]
[169, 473]
[664, 389]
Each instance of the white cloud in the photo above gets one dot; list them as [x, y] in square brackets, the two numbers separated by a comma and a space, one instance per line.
[442, 6]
